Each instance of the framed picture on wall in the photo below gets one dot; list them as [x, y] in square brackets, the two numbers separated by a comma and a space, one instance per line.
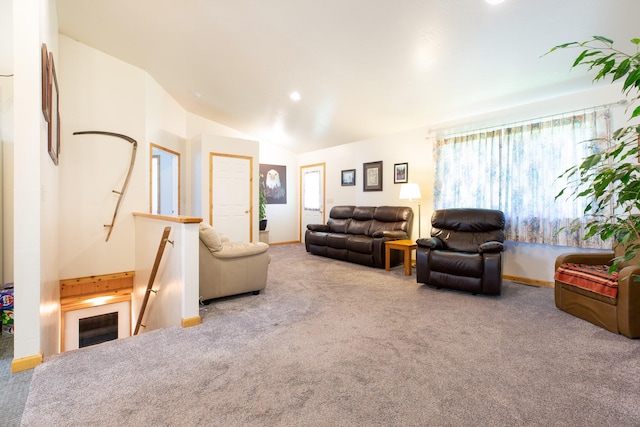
[372, 176]
[45, 81]
[54, 113]
[273, 178]
[348, 177]
[400, 173]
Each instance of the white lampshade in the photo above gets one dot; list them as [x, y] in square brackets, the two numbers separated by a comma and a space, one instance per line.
[410, 191]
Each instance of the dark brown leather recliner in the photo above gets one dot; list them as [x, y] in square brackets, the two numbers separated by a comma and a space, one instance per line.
[464, 251]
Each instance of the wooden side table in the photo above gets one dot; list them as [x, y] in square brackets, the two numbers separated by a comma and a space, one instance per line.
[401, 245]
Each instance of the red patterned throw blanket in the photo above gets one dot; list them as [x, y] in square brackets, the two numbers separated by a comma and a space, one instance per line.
[595, 278]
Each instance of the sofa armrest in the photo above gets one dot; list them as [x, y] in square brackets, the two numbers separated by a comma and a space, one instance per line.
[239, 250]
[431, 243]
[318, 227]
[491, 247]
[592, 258]
[390, 234]
[629, 301]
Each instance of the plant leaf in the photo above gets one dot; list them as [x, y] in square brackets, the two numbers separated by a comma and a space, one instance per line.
[603, 39]
[622, 69]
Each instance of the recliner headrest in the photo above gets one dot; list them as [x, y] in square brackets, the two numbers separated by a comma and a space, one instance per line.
[468, 219]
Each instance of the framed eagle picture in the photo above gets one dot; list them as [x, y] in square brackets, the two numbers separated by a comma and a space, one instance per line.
[273, 178]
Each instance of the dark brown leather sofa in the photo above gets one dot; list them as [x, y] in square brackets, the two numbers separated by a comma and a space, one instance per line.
[464, 251]
[620, 315]
[357, 233]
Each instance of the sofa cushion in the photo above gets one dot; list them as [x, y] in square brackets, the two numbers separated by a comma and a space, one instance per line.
[359, 227]
[377, 228]
[463, 264]
[316, 238]
[461, 241]
[361, 244]
[393, 213]
[338, 225]
[337, 240]
[341, 212]
[363, 213]
[595, 278]
[210, 238]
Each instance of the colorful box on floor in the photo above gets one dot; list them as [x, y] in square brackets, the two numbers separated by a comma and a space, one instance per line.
[7, 317]
[6, 298]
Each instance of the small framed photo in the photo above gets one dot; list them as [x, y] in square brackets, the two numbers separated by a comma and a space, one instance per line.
[348, 177]
[400, 173]
[372, 176]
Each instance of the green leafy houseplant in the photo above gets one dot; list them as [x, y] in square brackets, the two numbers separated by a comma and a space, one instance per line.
[262, 200]
[610, 179]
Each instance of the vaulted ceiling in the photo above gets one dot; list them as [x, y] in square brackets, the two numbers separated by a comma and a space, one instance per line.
[363, 68]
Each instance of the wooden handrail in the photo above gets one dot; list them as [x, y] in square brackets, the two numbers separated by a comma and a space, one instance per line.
[152, 277]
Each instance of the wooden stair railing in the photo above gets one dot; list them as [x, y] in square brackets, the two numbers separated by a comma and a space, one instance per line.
[152, 277]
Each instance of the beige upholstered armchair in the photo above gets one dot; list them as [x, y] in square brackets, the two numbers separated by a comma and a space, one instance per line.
[230, 268]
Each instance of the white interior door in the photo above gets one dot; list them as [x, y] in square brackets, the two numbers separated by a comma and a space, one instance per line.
[312, 203]
[230, 189]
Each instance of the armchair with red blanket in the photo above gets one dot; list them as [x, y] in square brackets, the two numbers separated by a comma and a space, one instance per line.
[585, 289]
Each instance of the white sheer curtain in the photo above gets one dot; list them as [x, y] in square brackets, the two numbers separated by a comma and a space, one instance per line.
[516, 169]
[311, 186]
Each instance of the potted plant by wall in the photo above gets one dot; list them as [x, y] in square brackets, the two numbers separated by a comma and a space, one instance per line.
[610, 179]
[262, 205]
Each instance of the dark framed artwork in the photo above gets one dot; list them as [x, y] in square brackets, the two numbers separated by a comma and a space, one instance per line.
[274, 179]
[45, 81]
[372, 176]
[54, 113]
[348, 177]
[400, 173]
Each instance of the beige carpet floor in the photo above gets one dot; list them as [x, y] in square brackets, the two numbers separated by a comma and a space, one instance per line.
[330, 343]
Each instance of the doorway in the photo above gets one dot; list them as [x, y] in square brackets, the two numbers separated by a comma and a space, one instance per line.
[312, 196]
[230, 196]
[164, 181]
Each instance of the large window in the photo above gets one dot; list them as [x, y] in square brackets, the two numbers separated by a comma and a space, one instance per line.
[515, 169]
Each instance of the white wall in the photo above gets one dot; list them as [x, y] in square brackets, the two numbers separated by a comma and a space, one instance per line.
[50, 202]
[530, 261]
[35, 186]
[406, 147]
[6, 141]
[166, 126]
[282, 217]
[99, 93]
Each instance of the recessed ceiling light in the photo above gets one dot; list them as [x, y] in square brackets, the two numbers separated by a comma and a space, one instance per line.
[196, 94]
[494, 1]
[295, 96]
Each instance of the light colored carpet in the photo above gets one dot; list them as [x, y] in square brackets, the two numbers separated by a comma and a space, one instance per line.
[14, 388]
[330, 343]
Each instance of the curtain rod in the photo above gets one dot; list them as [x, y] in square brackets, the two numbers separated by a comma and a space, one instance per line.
[520, 122]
